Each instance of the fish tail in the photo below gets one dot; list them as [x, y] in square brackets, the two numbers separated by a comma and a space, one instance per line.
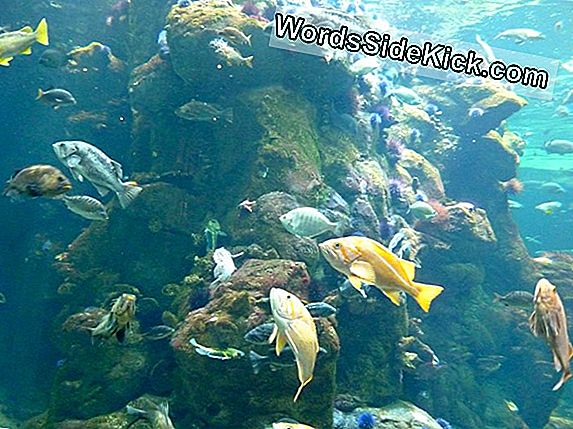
[338, 229]
[497, 297]
[249, 61]
[228, 114]
[249, 39]
[564, 377]
[127, 194]
[426, 294]
[40, 94]
[42, 33]
[299, 391]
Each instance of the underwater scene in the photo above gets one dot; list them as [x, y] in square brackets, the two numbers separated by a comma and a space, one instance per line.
[270, 214]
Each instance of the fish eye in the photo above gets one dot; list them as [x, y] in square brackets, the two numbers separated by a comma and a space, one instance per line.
[337, 246]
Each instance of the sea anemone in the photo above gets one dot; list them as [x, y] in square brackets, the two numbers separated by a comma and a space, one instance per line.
[365, 420]
[384, 111]
[512, 186]
[442, 214]
[396, 189]
[387, 228]
[249, 8]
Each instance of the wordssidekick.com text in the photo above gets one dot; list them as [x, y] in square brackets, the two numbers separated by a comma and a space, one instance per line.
[426, 54]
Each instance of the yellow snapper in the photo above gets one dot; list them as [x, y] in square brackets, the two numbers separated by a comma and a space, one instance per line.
[20, 42]
[364, 260]
[295, 326]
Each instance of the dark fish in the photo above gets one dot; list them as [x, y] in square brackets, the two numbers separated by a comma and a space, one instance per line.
[320, 309]
[56, 97]
[53, 58]
[516, 298]
[159, 332]
[157, 415]
[274, 362]
[549, 321]
[37, 181]
[260, 334]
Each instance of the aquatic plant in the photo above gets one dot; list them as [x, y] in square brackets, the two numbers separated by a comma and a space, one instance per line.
[365, 420]
[512, 186]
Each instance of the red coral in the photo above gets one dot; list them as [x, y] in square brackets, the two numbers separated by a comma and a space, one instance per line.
[442, 214]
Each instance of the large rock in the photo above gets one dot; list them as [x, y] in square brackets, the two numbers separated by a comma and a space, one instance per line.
[221, 394]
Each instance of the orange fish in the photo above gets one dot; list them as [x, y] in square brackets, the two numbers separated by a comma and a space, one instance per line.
[364, 260]
[549, 321]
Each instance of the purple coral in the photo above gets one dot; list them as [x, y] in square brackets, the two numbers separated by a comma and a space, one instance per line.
[396, 188]
[249, 8]
[394, 148]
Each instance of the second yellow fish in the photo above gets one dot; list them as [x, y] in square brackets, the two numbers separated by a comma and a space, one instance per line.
[364, 260]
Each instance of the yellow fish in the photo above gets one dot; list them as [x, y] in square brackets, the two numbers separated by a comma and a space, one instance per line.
[20, 42]
[364, 260]
[294, 325]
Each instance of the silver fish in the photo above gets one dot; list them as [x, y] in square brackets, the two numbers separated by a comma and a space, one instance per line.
[159, 332]
[260, 334]
[308, 222]
[87, 207]
[320, 309]
[118, 320]
[158, 415]
[549, 322]
[86, 160]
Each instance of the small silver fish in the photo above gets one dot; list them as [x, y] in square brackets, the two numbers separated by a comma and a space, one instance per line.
[87, 207]
[201, 111]
[158, 415]
[159, 332]
[320, 309]
[308, 222]
[422, 210]
[86, 160]
[56, 97]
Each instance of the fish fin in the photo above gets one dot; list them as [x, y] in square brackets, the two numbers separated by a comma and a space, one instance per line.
[274, 334]
[101, 190]
[497, 297]
[27, 29]
[280, 344]
[339, 228]
[42, 33]
[364, 271]
[249, 39]
[135, 411]
[118, 169]
[73, 161]
[256, 361]
[40, 94]
[570, 351]
[299, 391]
[357, 284]
[564, 377]
[34, 190]
[393, 295]
[409, 268]
[128, 194]
[6, 61]
[249, 61]
[120, 335]
[426, 293]
[27, 51]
